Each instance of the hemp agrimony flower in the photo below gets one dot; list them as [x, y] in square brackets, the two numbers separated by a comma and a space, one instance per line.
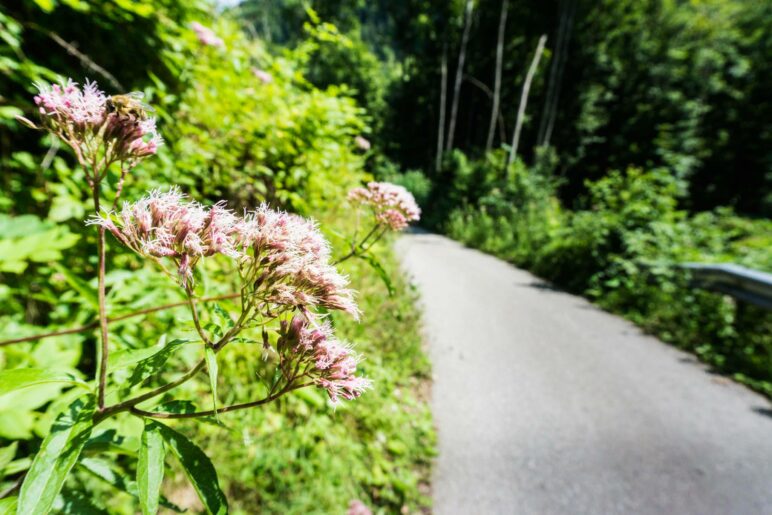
[286, 262]
[311, 348]
[394, 207]
[262, 75]
[207, 36]
[166, 225]
[283, 258]
[362, 143]
[100, 129]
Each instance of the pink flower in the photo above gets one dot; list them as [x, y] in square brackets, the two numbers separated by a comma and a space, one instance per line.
[330, 363]
[206, 36]
[362, 143]
[165, 225]
[85, 120]
[262, 75]
[393, 205]
[284, 258]
[67, 103]
[289, 257]
[357, 507]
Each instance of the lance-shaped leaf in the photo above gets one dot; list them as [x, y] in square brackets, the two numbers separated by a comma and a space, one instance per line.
[150, 469]
[211, 366]
[155, 363]
[382, 273]
[197, 467]
[16, 379]
[56, 457]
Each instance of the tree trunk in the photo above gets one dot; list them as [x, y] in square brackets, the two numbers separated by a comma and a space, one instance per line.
[524, 99]
[549, 112]
[459, 73]
[443, 102]
[497, 80]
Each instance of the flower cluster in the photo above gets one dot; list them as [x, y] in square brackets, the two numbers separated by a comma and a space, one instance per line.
[362, 143]
[283, 258]
[166, 225]
[262, 75]
[88, 120]
[311, 348]
[206, 36]
[357, 507]
[393, 205]
[287, 258]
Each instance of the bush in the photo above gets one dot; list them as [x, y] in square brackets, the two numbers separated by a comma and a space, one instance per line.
[622, 249]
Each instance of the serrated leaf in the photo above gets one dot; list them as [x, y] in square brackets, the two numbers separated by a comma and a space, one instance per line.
[376, 265]
[211, 366]
[19, 378]
[152, 365]
[150, 469]
[126, 357]
[56, 457]
[198, 468]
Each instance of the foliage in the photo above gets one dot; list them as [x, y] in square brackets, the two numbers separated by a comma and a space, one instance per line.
[622, 248]
[300, 456]
[240, 123]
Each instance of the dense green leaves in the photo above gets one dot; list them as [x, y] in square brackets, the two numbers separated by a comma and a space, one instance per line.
[57, 455]
[150, 468]
[26, 238]
[197, 466]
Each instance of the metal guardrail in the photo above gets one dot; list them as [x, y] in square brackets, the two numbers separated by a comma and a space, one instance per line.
[741, 283]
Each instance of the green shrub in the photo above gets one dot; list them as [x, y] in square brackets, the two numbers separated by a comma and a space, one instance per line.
[622, 248]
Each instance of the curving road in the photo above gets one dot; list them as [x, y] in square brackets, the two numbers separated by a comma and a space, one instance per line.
[545, 404]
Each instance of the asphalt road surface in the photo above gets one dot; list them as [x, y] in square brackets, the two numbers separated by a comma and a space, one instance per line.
[545, 404]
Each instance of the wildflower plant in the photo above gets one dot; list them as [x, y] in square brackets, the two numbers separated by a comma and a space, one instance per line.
[287, 285]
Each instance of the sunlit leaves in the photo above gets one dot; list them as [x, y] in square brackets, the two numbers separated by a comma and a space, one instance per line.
[56, 457]
[197, 467]
[150, 468]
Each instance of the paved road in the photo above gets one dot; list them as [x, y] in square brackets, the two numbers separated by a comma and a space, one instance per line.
[545, 404]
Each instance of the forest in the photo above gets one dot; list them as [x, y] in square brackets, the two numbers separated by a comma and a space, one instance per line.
[599, 144]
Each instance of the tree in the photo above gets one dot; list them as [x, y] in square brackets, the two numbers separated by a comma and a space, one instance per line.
[497, 80]
[459, 73]
[524, 99]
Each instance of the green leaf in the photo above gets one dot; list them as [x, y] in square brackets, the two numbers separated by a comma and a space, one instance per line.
[152, 365]
[8, 505]
[6, 456]
[225, 318]
[124, 358]
[45, 5]
[211, 365]
[177, 406]
[150, 469]
[88, 293]
[107, 473]
[56, 457]
[376, 265]
[197, 467]
[16, 379]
